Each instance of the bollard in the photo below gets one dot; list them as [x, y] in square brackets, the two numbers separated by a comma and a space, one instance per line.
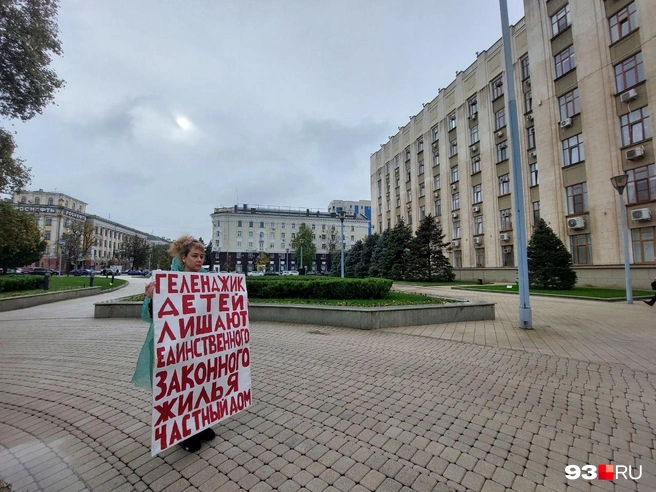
[91, 276]
[46, 281]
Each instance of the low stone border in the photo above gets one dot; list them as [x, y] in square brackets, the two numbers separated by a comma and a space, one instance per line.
[346, 316]
[22, 302]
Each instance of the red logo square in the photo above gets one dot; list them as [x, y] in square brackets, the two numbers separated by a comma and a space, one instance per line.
[605, 472]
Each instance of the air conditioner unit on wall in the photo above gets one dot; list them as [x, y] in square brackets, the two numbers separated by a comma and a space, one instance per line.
[634, 154]
[566, 123]
[529, 116]
[474, 148]
[499, 134]
[478, 240]
[507, 249]
[456, 243]
[504, 236]
[476, 209]
[576, 223]
[436, 194]
[454, 215]
[641, 214]
[408, 205]
[629, 95]
[454, 186]
[534, 154]
[473, 116]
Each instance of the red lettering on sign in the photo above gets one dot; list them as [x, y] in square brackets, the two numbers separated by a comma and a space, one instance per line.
[166, 330]
[188, 304]
[167, 309]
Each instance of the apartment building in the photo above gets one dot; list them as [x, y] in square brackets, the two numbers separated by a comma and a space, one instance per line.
[585, 75]
[241, 232]
[360, 207]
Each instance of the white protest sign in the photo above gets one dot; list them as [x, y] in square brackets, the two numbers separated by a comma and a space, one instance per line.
[201, 372]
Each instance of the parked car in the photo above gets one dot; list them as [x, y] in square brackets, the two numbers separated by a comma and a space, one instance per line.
[39, 271]
[54, 272]
[80, 272]
[255, 274]
[135, 272]
[290, 272]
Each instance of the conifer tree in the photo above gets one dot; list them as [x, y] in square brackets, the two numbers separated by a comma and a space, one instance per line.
[549, 262]
[352, 258]
[376, 265]
[394, 263]
[368, 247]
[426, 260]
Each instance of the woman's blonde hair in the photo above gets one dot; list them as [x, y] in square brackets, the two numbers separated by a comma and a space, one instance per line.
[183, 245]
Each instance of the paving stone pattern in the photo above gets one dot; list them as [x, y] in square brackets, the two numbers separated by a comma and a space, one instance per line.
[334, 410]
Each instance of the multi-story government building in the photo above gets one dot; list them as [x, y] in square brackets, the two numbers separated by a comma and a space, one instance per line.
[585, 79]
[241, 232]
[55, 212]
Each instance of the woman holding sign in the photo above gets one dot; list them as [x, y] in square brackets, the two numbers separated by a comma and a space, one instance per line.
[188, 256]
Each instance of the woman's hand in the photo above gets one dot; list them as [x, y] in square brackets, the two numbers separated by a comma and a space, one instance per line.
[150, 288]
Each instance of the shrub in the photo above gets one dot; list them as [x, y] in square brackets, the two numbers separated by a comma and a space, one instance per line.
[12, 283]
[317, 288]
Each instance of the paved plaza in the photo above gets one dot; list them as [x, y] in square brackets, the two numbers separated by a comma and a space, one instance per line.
[468, 406]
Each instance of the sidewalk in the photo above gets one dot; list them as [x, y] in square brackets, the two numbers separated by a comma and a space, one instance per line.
[343, 410]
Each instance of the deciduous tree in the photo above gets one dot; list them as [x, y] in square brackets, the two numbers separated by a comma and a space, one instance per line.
[28, 40]
[21, 242]
[304, 240]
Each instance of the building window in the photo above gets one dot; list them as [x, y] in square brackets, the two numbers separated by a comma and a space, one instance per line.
[577, 198]
[536, 212]
[581, 249]
[457, 259]
[641, 186]
[477, 193]
[37, 200]
[48, 221]
[408, 195]
[50, 201]
[504, 184]
[506, 219]
[528, 101]
[455, 202]
[530, 137]
[478, 224]
[454, 174]
[407, 154]
[629, 73]
[282, 236]
[623, 23]
[497, 88]
[472, 107]
[643, 243]
[250, 234]
[452, 121]
[435, 134]
[437, 182]
[573, 151]
[502, 153]
[456, 229]
[422, 190]
[499, 119]
[420, 145]
[420, 167]
[261, 225]
[438, 208]
[480, 257]
[293, 225]
[422, 212]
[47, 235]
[569, 104]
[453, 147]
[533, 174]
[409, 217]
[565, 61]
[283, 225]
[23, 199]
[473, 135]
[526, 71]
[635, 126]
[560, 21]
[436, 159]
[475, 165]
[507, 256]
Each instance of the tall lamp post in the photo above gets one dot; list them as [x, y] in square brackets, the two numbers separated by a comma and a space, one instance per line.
[619, 183]
[525, 314]
[287, 260]
[342, 215]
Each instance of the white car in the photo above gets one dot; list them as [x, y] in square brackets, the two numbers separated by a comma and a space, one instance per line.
[292, 272]
[255, 274]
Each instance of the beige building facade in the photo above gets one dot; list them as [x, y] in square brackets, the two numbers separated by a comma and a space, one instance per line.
[585, 75]
[241, 232]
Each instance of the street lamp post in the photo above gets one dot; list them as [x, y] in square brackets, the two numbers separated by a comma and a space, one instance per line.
[342, 215]
[525, 315]
[619, 183]
[287, 260]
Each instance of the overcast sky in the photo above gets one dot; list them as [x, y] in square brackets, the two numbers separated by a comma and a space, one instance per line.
[173, 108]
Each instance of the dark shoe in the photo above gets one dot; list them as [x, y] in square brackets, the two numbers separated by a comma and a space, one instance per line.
[648, 302]
[191, 445]
[206, 435]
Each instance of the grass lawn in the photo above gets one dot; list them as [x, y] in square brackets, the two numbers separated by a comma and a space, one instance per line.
[67, 283]
[575, 292]
[436, 284]
[391, 299]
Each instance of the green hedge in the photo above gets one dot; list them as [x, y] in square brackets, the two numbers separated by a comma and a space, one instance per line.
[317, 288]
[12, 283]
